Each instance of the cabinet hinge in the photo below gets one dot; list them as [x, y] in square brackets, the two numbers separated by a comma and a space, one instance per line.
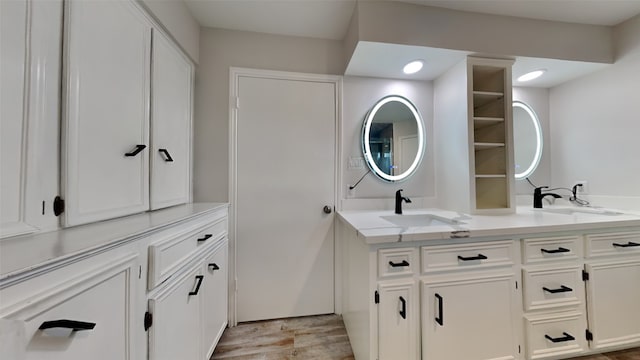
[148, 320]
[58, 206]
[376, 297]
[585, 275]
[589, 335]
[237, 102]
[516, 285]
[519, 350]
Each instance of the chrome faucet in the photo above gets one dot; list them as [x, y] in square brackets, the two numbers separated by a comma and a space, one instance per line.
[538, 196]
[399, 199]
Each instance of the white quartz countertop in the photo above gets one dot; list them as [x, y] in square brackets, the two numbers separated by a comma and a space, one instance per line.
[22, 253]
[372, 228]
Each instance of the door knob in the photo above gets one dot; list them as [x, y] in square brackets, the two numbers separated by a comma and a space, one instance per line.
[327, 209]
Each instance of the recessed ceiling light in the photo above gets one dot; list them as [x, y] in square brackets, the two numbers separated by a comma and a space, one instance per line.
[413, 67]
[531, 75]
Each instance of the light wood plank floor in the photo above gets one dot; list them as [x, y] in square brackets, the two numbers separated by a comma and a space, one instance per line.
[321, 337]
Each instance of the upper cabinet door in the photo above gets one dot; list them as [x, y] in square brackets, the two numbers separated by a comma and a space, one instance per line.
[105, 152]
[171, 79]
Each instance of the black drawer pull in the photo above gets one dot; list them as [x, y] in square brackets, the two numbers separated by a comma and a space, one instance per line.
[67, 324]
[556, 251]
[199, 279]
[629, 244]
[214, 266]
[402, 264]
[136, 151]
[440, 317]
[167, 156]
[205, 238]
[565, 338]
[559, 290]
[472, 258]
[403, 311]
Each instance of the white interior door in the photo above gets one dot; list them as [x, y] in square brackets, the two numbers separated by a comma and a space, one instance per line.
[285, 165]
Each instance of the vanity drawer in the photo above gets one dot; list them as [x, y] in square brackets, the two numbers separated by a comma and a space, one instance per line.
[545, 250]
[468, 256]
[172, 251]
[397, 262]
[627, 243]
[552, 288]
[554, 336]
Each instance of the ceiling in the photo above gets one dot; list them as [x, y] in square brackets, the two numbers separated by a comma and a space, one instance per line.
[329, 19]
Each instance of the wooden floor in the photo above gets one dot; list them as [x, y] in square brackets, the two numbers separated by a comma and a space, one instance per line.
[313, 338]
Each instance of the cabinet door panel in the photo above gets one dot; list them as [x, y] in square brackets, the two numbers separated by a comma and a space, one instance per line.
[171, 125]
[397, 321]
[474, 319]
[214, 301]
[106, 112]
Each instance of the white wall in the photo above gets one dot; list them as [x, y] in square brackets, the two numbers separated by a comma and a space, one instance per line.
[178, 21]
[594, 123]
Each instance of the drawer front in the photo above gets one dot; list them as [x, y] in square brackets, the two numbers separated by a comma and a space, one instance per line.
[553, 288]
[557, 335]
[167, 255]
[613, 244]
[545, 250]
[468, 256]
[397, 262]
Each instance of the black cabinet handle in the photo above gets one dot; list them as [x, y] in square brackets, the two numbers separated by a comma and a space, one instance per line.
[214, 266]
[559, 290]
[401, 264]
[136, 151]
[471, 258]
[205, 237]
[556, 251]
[67, 324]
[199, 279]
[565, 338]
[440, 317]
[629, 244]
[167, 156]
[403, 311]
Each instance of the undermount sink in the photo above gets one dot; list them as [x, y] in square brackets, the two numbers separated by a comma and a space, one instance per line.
[419, 220]
[573, 211]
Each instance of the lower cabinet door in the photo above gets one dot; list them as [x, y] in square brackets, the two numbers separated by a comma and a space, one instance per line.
[470, 318]
[175, 332]
[613, 298]
[214, 299]
[398, 318]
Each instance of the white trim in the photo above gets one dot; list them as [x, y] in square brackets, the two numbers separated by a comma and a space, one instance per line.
[234, 76]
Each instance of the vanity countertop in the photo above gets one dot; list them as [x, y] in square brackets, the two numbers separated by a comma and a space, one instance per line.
[373, 229]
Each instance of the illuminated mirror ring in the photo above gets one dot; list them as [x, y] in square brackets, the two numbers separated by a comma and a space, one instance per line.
[527, 151]
[397, 154]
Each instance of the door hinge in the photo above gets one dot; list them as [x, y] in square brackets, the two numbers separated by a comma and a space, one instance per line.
[58, 206]
[148, 320]
[589, 335]
[585, 275]
[376, 297]
[519, 350]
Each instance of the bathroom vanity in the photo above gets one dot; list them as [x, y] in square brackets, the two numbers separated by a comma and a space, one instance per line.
[537, 284]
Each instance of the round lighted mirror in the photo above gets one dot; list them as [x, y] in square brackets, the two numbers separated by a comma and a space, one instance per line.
[527, 140]
[393, 138]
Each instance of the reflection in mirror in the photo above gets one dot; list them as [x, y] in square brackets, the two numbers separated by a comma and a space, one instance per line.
[527, 140]
[393, 138]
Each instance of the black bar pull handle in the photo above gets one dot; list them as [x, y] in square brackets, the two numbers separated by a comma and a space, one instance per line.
[199, 279]
[136, 151]
[440, 317]
[400, 264]
[629, 244]
[167, 156]
[214, 266]
[205, 237]
[67, 324]
[561, 289]
[556, 251]
[565, 338]
[471, 258]
[403, 311]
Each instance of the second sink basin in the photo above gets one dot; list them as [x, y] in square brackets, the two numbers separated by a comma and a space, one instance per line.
[419, 220]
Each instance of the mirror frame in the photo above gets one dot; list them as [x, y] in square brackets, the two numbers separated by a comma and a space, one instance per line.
[539, 138]
[366, 148]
